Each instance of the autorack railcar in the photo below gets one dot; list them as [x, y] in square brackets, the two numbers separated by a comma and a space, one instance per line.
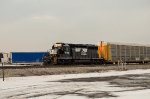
[127, 53]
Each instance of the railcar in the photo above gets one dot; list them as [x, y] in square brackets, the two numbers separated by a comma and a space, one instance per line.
[1, 56]
[27, 57]
[128, 53]
[4, 58]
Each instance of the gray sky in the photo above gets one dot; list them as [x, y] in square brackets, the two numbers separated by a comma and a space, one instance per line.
[34, 25]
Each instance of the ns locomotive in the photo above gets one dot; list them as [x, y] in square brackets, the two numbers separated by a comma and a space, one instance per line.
[65, 53]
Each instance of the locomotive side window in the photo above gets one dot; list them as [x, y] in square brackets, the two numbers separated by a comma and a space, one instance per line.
[60, 51]
[67, 49]
[77, 49]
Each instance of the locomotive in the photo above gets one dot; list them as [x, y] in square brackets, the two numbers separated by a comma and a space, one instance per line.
[65, 53]
[103, 53]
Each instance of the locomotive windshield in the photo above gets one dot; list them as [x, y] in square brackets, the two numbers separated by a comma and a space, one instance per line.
[59, 48]
[53, 51]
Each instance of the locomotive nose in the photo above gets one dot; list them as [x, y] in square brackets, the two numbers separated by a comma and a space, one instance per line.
[53, 52]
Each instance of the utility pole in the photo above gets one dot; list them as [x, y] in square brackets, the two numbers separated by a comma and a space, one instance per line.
[3, 73]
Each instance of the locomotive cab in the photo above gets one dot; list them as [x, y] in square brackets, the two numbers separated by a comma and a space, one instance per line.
[56, 49]
[59, 49]
[60, 53]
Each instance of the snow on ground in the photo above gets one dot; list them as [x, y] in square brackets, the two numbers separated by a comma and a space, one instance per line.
[145, 94]
[111, 85]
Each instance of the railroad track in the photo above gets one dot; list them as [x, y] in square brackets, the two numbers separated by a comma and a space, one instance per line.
[49, 66]
[19, 71]
[58, 66]
[20, 67]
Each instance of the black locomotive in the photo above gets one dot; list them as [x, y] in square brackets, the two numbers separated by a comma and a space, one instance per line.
[64, 53]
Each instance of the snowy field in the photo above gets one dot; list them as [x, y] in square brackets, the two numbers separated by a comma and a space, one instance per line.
[132, 84]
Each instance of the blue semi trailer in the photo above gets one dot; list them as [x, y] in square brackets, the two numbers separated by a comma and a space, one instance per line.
[27, 57]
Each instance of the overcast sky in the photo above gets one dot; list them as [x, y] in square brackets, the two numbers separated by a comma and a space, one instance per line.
[34, 25]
